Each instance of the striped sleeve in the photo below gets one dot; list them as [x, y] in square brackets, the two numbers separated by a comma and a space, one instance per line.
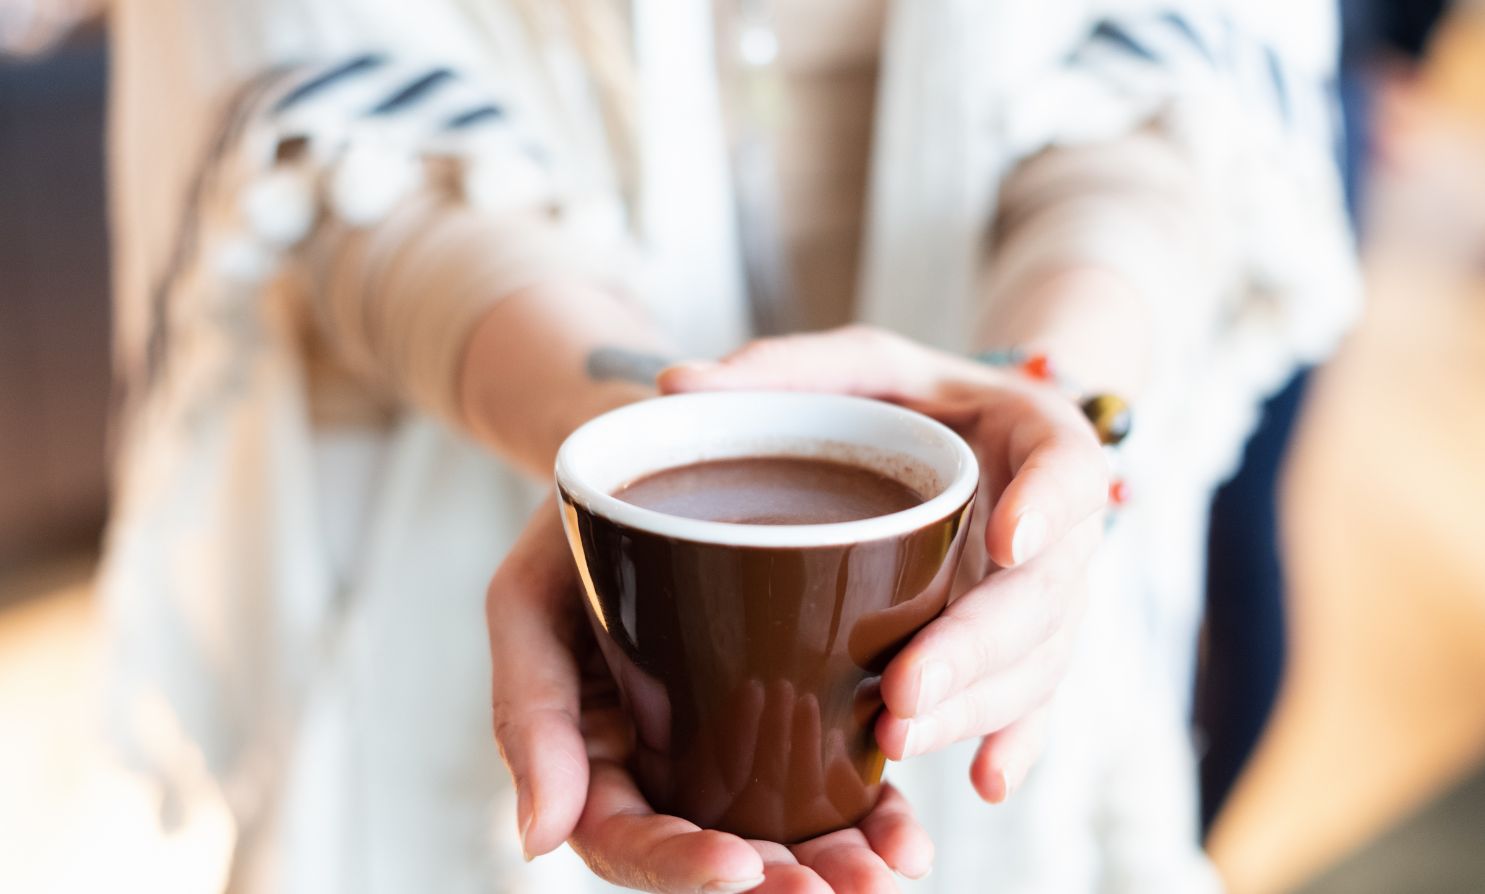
[1192, 53]
[1225, 205]
[404, 197]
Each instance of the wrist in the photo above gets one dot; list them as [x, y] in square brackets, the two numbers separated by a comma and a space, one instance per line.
[528, 377]
[1090, 319]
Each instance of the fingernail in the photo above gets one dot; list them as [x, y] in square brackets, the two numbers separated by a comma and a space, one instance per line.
[916, 873]
[1014, 775]
[918, 736]
[690, 366]
[524, 816]
[1031, 534]
[732, 887]
[1005, 789]
[933, 685]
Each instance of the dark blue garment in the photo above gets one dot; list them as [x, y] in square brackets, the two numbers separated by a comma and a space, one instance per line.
[1244, 659]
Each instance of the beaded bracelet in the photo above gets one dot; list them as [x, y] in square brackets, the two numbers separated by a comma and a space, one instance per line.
[1109, 414]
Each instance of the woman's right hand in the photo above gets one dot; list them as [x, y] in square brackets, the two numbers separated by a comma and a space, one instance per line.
[566, 741]
[990, 664]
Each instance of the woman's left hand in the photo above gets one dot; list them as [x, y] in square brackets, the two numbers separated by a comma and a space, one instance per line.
[989, 665]
[563, 735]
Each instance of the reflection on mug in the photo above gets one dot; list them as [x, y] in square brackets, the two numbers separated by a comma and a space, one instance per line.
[770, 761]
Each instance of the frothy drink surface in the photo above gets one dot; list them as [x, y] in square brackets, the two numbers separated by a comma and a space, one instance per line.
[771, 490]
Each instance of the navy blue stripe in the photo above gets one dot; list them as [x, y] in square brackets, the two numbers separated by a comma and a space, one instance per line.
[1281, 85]
[1115, 34]
[1179, 23]
[413, 92]
[477, 115]
[320, 82]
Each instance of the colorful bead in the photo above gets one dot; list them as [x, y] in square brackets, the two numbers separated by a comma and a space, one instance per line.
[1110, 417]
[1038, 367]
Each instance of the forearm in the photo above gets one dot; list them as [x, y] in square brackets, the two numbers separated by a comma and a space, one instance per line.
[1084, 239]
[491, 324]
[1089, 319]
[545, 359]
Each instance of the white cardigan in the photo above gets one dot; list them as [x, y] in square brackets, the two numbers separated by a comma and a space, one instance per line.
[329, 688]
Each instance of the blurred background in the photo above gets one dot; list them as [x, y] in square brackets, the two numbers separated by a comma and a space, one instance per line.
[1368, 775]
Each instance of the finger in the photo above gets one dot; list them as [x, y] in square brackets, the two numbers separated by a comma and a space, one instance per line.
[772, 852]
[624, 841]
[894, 833]
[535, 683]
[846, 862]
[792, 879]
[984, 708]
[993, 626]
[850, 360]
[1058, 474]
[782, 874]
[1005, 758]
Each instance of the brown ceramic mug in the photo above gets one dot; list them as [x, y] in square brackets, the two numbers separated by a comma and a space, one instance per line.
[749, 656]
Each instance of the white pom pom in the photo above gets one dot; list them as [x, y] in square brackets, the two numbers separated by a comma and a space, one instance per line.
[243, 259]
[369, 181]
[280, 206]
[505, 180]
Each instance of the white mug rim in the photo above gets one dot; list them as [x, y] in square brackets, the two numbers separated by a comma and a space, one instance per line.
[951, 498]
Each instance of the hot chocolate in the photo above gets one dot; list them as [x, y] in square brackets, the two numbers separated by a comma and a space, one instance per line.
[771, 490]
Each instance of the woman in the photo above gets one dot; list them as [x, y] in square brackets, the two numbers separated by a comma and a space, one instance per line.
[376, 257]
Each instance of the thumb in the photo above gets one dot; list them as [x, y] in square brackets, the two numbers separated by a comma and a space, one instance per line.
[852, 360]
[535, 683]
[1059, 474]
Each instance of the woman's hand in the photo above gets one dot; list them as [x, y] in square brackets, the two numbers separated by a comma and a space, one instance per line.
[561, 732]
[988, 666]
